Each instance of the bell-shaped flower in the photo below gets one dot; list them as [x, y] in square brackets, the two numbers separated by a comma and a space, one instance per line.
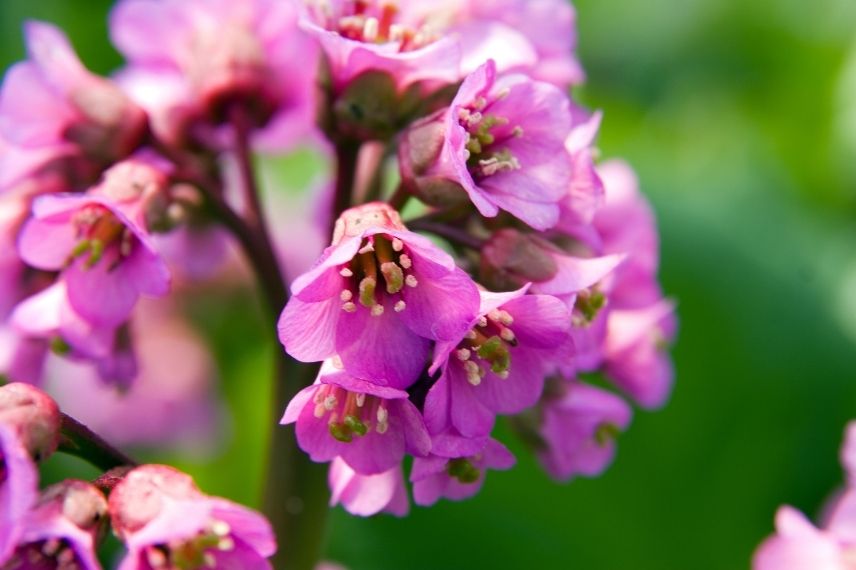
[456, 468]
[578, 427]
[107, 261]
[166, 522]
[369, 426]
[503, 141]
[498, 366]
[367, 495]
[62, 529]
[376, 298]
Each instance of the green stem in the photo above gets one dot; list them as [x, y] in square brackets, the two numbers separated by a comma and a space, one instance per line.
[78, 440]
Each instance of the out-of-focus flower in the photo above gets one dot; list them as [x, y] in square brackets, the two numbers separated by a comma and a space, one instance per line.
[376, 297]
[61, 529]
[192, 61]
[166, 521]
[456, 467]
[578, 427]
[366, 495]
[499, 365]
[370, 427]
[503, 141]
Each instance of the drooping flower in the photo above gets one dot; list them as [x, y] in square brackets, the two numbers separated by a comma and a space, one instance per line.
[107, 260]
[369, 427]
[61, 529]
[503, 141]
[52, 108]
[499, 364]
[193, 61]
[578, 426]
[167, 522]
[456, 468]
[367, 495]
[376, 298]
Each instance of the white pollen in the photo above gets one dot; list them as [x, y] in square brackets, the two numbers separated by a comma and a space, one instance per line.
[474, 119]
[330, 403]
[473, 372]
[507, 335]
[400, 306]
[494, 315]
[361, 400]
[377, 310]
[503, 375]
[397, 244]
[482, 321]
[506, 318]
[337, 363]
[471, 335]
[396, 33]
[367, 248]
[226, 544]
[370, 29]
[345, 272]
[463, 354]
[221, 528]
[349, 307]
[382, 414]
[411, 281]
[405, 261]
[346, 295]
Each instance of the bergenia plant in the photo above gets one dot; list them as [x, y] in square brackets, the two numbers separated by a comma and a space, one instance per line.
[474, 264]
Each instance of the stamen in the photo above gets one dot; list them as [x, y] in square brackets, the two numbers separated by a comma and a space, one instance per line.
[482, 321]
[156, 557]
[330, 403]
[411, 281]
[507, 335]
[400, 306]
[221, 528]
[345, 272]
[397, 244]
[382, 420]
[337, 363]
[368, 248]
[377, 310]
[405, 261]
[367, 291]
[394, 277]
[361, 400]
[517, 131]
[346, 295]
[370, 30]
[463, 354]
[473, 372]
[349, 307]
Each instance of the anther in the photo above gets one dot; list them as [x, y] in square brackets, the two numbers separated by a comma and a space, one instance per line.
[482, 321]
[393, 275]
[463, 354]
[377, 310]
[397, 244]
[473, 372]
[400, 306]
[405, 261]
[349, 307]
[330, 403]
[367, 291]
[345, 272]
[411, 281]
[346, 295]
[369, 247]
[507, 335]
[221, 528]
[370, 29]
[361, 400]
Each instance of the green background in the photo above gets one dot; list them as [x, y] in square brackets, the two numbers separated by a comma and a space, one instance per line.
[740, 118]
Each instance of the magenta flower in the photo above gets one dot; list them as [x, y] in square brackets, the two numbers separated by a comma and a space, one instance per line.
[376, 298]
[635, 352]
[396, 38]
[367, 495]
[61, 530]
[369, 426]
[18, 488]
[52, 107]
[499, 364]
[106, 260]
[503, 142]
[456, 467]
[578, 427]
[585, 196]
[22, 358]
[191, 59]
[166, 522]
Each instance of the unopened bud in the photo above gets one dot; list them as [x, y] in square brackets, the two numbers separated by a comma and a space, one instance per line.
[113, 126]
[511, 259]
[34, 415]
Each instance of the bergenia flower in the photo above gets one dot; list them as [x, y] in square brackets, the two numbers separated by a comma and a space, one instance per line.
[22, 358]
[585, 195]
[191, 60]
[397, 38]
[499, 364]
[367, 495]
[107, 261]
[578, 427]
[369, 426]
[503, 142]
[800, 545]
[456, 468]
[166, 522]
[62, 529]
[376, 298]
[53, 107]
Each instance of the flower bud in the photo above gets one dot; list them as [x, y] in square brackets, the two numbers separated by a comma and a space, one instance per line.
[369, 108]
[34, 415]
[511, 259]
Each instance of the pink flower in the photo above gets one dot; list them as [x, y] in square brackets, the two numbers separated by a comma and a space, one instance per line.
[456, 468]
[51, 107]
[165, 521]
[60, 531]
[107, 261]
[191, 60]
[578, 427]
[367, 495]
[370, 427]
[376, 298]
[503, 142]
[18, 488]
[635, 352]
[499, 365]
[585, 195]
[22, 358]
[398, 39]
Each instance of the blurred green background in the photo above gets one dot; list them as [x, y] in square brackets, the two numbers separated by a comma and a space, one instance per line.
[740, 118]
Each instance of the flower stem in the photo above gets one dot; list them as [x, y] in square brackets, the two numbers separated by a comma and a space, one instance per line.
[346, 173]
[78, 440]
[453, 234]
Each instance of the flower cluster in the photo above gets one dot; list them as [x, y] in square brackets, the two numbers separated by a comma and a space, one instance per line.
[481, 264]
[158, 512]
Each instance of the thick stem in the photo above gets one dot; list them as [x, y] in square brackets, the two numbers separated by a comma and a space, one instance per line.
[453, 234]
[399, 198]
[78, 440]
[346, 173]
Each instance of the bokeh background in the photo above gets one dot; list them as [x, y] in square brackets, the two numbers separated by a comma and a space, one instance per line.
[740, 118]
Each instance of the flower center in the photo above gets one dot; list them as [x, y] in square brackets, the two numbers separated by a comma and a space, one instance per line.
[351, 414]
[379, 268]
[487, 139]
[463, 470]
[588, 306]
[99, 230]
[375, 22]
[488, 346]
[195, 553]
[52, 553]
